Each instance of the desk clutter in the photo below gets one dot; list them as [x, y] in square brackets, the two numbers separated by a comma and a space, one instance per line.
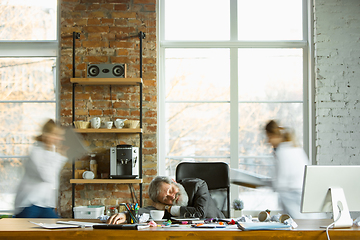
[154, 220]
[244, 223]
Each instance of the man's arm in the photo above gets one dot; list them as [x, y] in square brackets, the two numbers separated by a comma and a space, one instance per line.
[199, 198]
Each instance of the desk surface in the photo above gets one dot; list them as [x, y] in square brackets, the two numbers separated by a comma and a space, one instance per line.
[17, 228]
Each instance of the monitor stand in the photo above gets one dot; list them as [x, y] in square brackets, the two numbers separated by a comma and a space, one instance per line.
[340, 209]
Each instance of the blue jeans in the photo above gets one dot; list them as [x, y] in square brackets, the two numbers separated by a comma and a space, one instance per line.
[37, 212]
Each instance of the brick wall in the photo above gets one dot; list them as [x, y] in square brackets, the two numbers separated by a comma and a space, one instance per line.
[337, 66]
[109, 34]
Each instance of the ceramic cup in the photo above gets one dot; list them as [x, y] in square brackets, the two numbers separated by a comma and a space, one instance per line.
[109, 124]
[157, 215]
[264, 216]
[283, 217]
[119, 123]
[95, 122]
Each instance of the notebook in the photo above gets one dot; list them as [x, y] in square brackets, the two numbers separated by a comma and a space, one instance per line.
[54, 225]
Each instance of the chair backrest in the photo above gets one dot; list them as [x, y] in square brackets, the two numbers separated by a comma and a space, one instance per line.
[215, 174]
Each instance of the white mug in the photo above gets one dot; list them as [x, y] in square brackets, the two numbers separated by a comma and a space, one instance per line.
[95, 122]
[157, 215]
[119, 123]
[109, 124]
[264, 216]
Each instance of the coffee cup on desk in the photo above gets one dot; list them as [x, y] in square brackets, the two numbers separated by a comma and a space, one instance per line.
[264, 216]
[157, 215]
[284, 217]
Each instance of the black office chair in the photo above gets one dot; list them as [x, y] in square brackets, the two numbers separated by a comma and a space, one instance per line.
[217, 177]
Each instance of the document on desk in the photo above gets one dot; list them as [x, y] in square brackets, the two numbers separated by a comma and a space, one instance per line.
[247, 226]
[54, 225]
[81, 224]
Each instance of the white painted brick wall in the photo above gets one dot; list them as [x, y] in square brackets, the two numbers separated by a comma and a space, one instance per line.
[337, 81]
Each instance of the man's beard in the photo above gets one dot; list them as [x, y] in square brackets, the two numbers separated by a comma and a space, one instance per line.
[183, 197]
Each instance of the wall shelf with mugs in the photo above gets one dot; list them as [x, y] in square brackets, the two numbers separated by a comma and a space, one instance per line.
[131, 126]
[113, 130]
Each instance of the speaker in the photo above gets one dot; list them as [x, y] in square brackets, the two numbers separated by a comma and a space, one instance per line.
[105, 70]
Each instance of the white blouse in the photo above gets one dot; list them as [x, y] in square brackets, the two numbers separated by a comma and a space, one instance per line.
[290, 166]
[40, 183]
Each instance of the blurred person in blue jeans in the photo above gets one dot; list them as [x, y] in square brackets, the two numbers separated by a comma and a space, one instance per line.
[37, 193]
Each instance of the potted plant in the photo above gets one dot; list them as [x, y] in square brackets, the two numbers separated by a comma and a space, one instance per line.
[238, 206]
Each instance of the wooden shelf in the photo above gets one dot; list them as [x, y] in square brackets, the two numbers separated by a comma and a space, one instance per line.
[79, 181]
[106, 81]
[113, 130]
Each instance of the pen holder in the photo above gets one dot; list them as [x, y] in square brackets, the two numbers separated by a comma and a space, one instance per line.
[133, 210]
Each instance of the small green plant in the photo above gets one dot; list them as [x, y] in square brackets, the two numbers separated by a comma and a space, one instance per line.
[238, 204]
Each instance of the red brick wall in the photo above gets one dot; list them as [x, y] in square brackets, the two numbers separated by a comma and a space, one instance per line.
[109, 34]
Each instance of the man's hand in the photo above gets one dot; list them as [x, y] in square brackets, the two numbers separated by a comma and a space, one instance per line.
[117, 218]
[159, 206]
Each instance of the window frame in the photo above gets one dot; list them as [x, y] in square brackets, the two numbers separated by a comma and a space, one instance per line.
[306, 44]
[35, 48]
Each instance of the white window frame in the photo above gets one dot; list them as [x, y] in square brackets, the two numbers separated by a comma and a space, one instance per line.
[35, 48]
[308, 80]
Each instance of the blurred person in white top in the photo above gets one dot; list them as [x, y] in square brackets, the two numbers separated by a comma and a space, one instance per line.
[37, 193]
[290, 161]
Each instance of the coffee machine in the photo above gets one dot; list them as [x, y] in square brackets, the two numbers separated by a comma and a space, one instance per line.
[124, 161]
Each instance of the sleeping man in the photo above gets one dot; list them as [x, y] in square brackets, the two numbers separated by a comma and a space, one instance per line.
[189, 197]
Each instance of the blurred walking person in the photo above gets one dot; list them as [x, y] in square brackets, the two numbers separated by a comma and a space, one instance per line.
[37, 193]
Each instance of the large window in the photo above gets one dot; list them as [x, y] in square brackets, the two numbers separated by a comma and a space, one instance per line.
[225, 69]
[28, 77]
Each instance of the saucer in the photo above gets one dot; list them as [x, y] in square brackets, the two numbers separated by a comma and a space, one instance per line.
[162, 220]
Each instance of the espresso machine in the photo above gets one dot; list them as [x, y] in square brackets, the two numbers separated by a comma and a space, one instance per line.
[124, 161]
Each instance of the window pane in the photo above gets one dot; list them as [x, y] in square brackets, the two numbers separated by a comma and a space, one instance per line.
[197, 20]
[270, 74]
[28, 20]
[171, 163]
[27, 79]
[11, 171]
[197, 74]
[21, 122]
[270, 20]
[252, 120]
[197, 129]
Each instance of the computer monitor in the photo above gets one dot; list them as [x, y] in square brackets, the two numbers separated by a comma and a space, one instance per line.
[332, 189]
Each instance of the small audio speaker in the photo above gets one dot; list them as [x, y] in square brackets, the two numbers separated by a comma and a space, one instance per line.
[105, 70]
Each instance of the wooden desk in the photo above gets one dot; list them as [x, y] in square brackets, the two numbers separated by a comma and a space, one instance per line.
[14, 229]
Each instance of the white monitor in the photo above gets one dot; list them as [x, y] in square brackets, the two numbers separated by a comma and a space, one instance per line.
[332, 189]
